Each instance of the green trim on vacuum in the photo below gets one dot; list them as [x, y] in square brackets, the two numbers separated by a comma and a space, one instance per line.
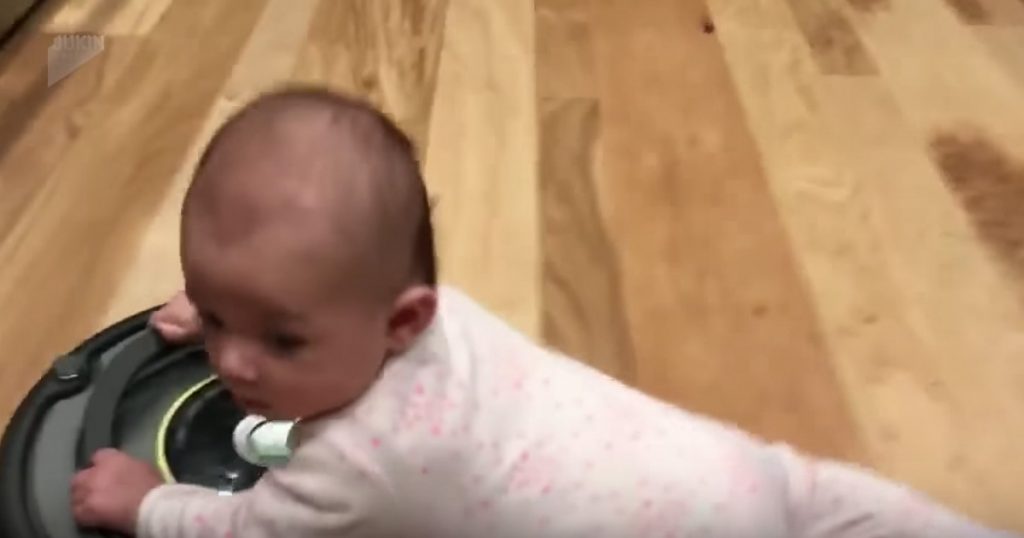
[161, 435]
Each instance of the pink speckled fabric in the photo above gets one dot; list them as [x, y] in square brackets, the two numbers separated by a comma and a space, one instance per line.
[480, 432]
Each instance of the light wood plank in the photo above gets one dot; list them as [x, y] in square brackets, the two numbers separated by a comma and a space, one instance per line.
[1006, 45]
[940, 74]
[318, 52]
[833, 146]
[118, 17]
[970, 11]
[1005, 12]
[827, 218]
[989, 12]
[869, 6]
[715, 302]
[63, 259]
[41, 122]
[22, 68]
[959, 303]
[153, 271]
[409, 37]
[834, 229]
[482, 160]
[385, 52]
[565, 56]
[584, 309]
[834, 43]
[618, 203]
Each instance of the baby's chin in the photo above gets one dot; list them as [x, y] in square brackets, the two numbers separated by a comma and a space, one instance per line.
[295, 409]
[271, 412]
[257, 407]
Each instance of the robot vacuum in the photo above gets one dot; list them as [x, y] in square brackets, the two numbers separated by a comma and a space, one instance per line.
[125, 388]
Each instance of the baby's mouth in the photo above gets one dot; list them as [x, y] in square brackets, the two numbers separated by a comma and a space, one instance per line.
[243, 399]
[250, 405]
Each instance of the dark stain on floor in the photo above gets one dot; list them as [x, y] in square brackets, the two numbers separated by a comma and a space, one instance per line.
[990, 185]
[707, 25]
[970, 11]
[870, 5]
[836, 46]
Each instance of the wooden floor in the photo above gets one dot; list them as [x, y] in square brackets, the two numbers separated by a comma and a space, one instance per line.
[802, 216]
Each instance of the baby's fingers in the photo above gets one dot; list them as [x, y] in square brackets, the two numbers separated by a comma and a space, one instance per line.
[173, 332]
[81, 500]
[177, 321]
[105, 455]
[80, 481]
[84, 513]
[78, 491]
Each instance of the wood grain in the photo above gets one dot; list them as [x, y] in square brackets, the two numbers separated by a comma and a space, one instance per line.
[482, 162]
[801, 217]
[565, 50]
[869, 6]
[964, 305]
[584, 309]
[989, 13]
[833, 148]
[57, 282]
[946, 273]
[385, 52]
[1006, 46]
[42, 122]
[123, 17]
[688, 207]
[1004, 13]
[152, 271]
[584, 305]
[941, 76]
[829, 223]
[971, 11]
[967, 372]
[835, 44]
[990, 185]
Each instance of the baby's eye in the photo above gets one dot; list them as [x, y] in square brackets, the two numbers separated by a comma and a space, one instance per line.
[286, 344]
[210, 321]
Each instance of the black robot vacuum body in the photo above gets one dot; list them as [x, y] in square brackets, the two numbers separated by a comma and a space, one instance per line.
[124, 388]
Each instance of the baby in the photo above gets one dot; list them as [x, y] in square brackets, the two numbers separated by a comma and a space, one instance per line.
[308, 259]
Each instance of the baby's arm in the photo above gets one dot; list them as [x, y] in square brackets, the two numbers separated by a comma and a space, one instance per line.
[310, 498]
[836, 500]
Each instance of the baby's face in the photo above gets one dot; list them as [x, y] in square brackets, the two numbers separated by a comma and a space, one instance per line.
[283, 338]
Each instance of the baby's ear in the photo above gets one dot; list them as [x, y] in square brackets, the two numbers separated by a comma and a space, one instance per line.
[411, 315]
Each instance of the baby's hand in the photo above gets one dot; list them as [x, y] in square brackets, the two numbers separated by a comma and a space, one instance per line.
[108, 494]
[177, 321]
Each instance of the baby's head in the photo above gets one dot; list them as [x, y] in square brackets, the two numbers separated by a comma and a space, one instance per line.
[307, 249]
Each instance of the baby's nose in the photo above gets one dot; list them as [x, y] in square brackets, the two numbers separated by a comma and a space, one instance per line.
[236, 364]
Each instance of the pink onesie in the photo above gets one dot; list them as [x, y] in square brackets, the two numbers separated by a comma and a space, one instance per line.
[479, 432]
